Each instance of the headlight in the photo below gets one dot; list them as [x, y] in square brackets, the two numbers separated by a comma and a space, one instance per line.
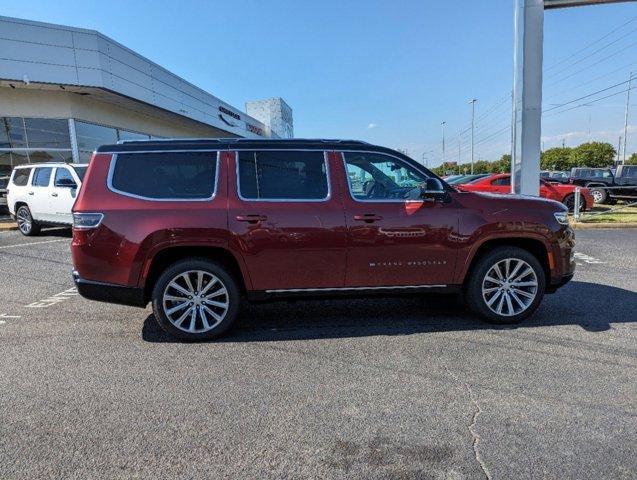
[561, 217]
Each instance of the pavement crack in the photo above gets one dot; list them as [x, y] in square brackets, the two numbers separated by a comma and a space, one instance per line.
[474, 419]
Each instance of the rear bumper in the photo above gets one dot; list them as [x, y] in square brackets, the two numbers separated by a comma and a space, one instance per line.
[108, 292]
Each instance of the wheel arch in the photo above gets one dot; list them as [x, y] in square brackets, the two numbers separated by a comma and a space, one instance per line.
[536, 247]
[167, 256]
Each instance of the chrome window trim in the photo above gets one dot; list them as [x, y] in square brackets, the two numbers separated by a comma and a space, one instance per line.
[326, 162]
[396, 287]
[349, 185]
[111, 171]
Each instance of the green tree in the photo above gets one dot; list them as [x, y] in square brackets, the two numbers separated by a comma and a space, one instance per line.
[503, 165]
[632, 160]
[593, 154]
[558, 158]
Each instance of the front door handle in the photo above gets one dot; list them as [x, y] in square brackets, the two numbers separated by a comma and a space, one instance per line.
[251, 218]
[54, 194]
[368, 218]
[30, 193]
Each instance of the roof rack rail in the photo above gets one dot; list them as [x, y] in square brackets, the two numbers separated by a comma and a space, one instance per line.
[239, 140]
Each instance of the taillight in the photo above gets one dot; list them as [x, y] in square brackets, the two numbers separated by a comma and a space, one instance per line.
[87, 221]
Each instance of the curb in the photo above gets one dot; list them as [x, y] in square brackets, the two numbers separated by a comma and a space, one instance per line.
[5, 227]
[592, 226]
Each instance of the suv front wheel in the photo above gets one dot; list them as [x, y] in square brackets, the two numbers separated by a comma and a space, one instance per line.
[506, 285]
[195, 299]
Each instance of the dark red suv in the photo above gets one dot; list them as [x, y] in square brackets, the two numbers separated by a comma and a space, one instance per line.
[194, 226]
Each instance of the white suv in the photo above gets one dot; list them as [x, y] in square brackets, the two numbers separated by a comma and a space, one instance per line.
[43, 194]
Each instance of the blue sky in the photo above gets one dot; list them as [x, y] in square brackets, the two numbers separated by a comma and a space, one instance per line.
[388, 72]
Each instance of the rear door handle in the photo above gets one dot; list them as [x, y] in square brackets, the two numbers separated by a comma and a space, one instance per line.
[30, 193]
[54, 194]
[251, 218]
[368, 217]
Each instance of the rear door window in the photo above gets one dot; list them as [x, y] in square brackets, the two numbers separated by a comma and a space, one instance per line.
[63, 175]
[41, 177]
[283, 175]
[21, 176]
[165, 175]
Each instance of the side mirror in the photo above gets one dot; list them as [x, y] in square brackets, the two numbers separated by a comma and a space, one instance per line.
[65, 183]
[433, 189]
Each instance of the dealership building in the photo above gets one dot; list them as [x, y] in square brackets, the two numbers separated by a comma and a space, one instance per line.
[65, 90]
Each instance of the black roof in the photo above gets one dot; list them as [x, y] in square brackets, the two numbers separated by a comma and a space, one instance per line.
[191, 144]
[230, 143]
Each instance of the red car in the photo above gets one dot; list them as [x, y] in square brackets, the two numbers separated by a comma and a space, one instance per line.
[560, 192]
[196, 226]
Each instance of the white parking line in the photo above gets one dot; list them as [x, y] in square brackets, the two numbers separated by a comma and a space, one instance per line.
[34, 243]
[587, 259]
[54, 299]
[4, 315]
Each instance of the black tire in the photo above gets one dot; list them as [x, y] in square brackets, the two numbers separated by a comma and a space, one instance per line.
[27, 226]
[569, 202]
[213, 269]
[473, 291]
[599, 194]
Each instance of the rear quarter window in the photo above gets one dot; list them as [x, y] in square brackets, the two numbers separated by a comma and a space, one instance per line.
[165, 175]
[21, 176]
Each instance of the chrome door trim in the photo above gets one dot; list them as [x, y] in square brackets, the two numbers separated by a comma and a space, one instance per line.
[342, 289]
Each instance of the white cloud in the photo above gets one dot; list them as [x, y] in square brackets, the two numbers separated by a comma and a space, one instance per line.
[371, 126]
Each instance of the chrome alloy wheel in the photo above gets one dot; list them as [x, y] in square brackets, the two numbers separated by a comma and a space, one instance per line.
[509, 287]
[24, 220]
[195, 301]
[597, 195]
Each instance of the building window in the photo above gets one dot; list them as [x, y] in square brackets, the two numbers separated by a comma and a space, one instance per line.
[91, 136]
[47, 133]
[30, 140]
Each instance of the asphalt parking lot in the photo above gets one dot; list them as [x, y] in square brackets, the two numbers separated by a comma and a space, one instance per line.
[376, 388]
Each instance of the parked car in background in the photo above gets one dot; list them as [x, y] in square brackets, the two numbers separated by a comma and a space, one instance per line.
[501, 183]
[467, 178]
[194, 226]
[626, 178]
[595, 179]
[4, 181]
[43, 194]
[555, 176]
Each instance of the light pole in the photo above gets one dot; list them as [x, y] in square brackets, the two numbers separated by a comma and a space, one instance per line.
[443, 140]
[630, 83]
[473, 116]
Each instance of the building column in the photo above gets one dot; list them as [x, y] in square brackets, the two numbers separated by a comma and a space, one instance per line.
[527, 97]
[73, 136]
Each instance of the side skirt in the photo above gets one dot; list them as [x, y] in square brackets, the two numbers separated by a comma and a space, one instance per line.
[353, 292]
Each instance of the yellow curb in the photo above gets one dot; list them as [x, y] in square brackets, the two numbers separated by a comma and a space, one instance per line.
[588, 226]
[8, 226]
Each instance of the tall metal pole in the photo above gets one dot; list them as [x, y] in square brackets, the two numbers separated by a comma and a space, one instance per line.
[459, 149]
[473, 115]
[630, 82]
[443, 141]
[527, 97]
[619, 148]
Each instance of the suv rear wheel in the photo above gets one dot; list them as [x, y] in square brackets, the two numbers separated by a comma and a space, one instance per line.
[195, 299]
[26, 224]
[506, 285]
